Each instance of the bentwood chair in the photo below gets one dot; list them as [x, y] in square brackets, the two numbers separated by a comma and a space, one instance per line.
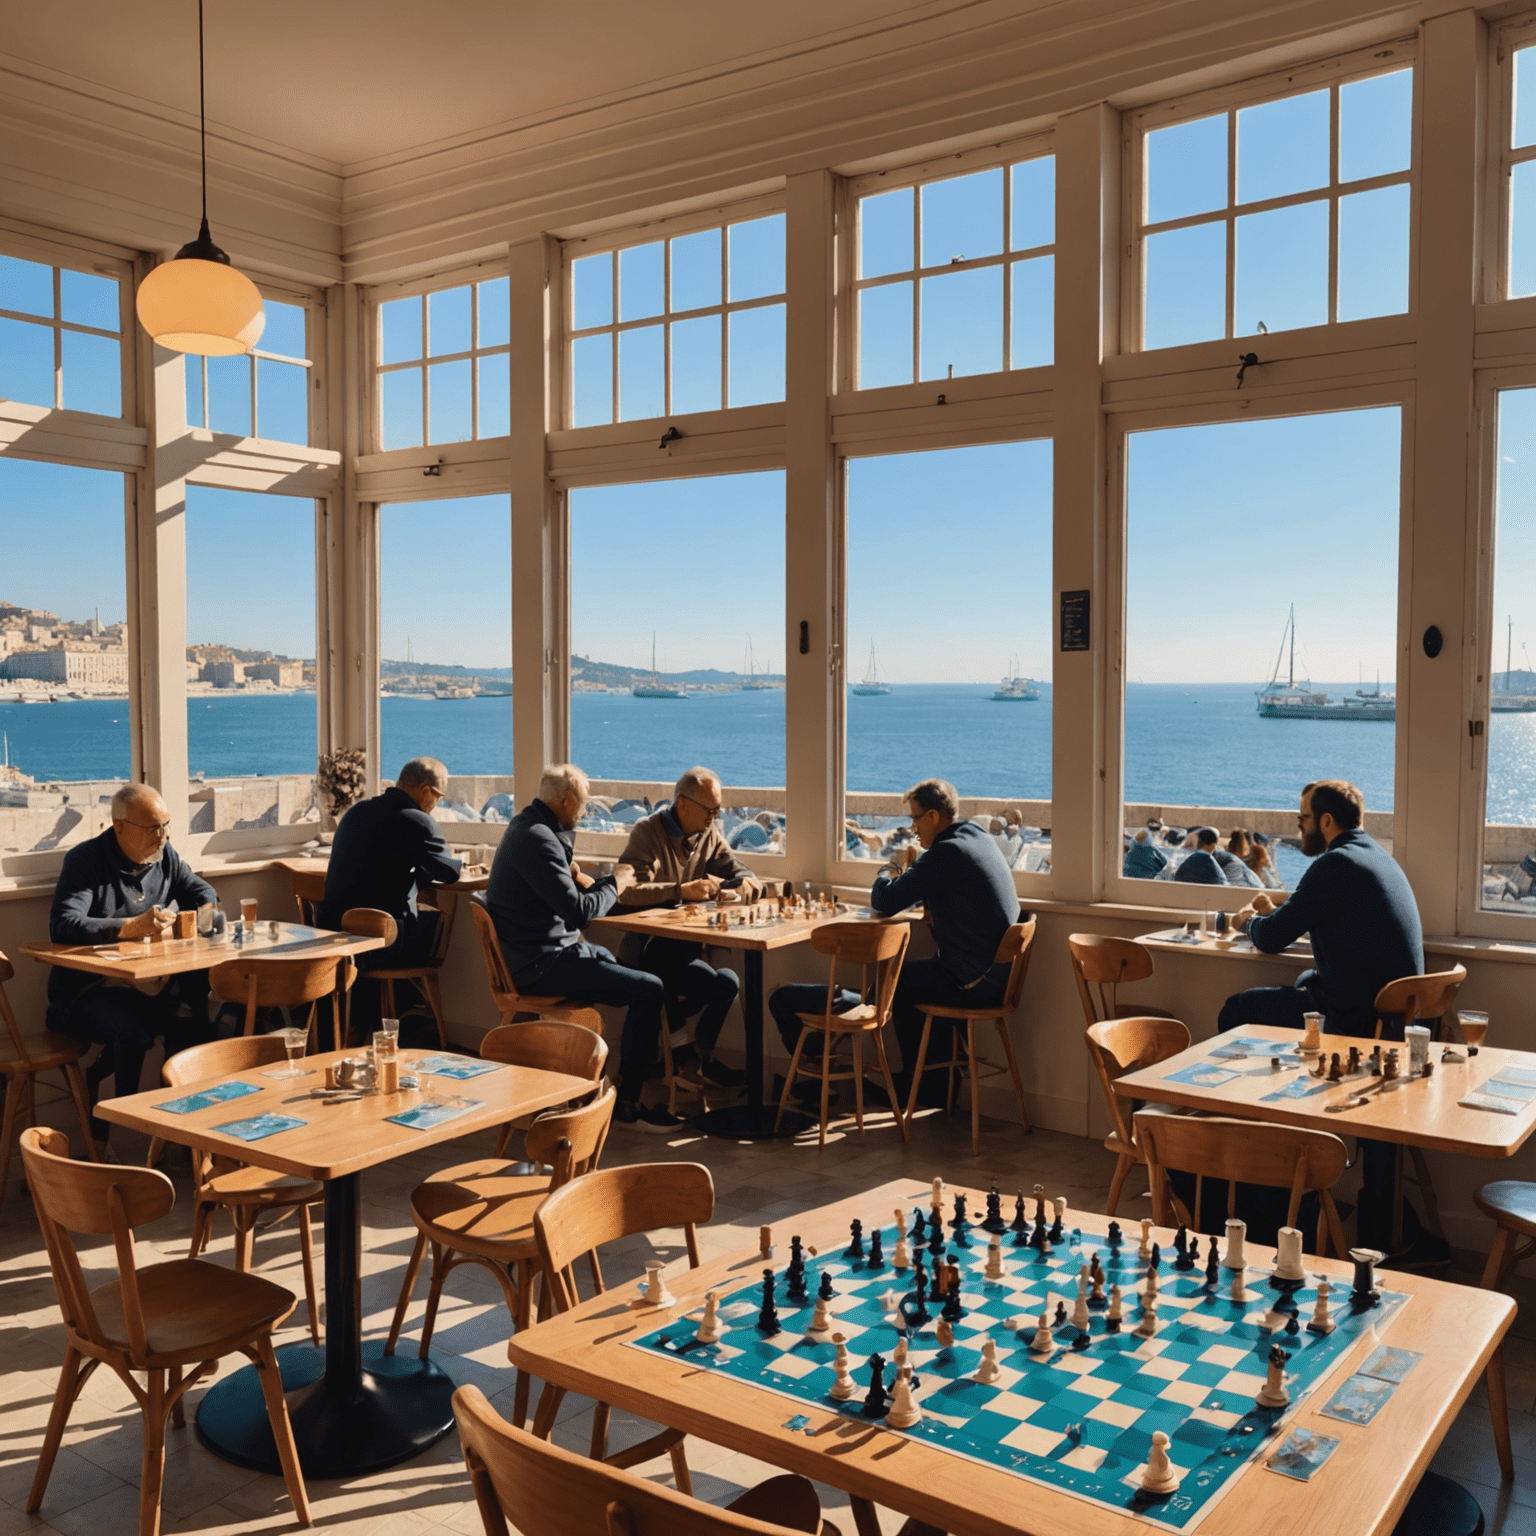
[539, 1487]
[275, 982]
[510, 1003]
[1511, 1205]
[1118, 1046]
[878, 949]
[1017, 946]
[605, 1206]
[155, 1322]
[425, 974]
[244, 1191]
[1245, 1152]
[47, 1052]
[550, 1046]
[1101, 965]
[368, 923]
[308, 892]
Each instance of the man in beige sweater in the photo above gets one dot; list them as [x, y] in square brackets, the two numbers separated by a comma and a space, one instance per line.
[679, 854]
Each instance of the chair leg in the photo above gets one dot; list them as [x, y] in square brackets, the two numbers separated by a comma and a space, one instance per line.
[1426, 1191]
[599, 1446]
[890, 1086]
[1123, 1167]
[202, 1227]
[1498, 1259]
[440, 1257]
[1335, 1227]
[550, 1398]
[523, 1321]
[72, 1377]
[858, 1083]
[244, 1218]
[76, 1079]
[388, 989]
[8, 1135]
[1013, 1067]
[970, 1051]
[668, 1067]
[307, 1254]
[407, 1286]
[680, 1470]
[282, 1428]
[826, 1085]
[789, 1079]
[435, 1003]
[1498, 1413]
[152, 1477]
[917, 1070]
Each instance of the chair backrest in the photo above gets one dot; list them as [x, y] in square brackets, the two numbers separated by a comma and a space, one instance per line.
[1241, 1152]
[1100, 964]
[1430, 996]
[369, 923]
[503, 993]
[571, 1140]
[878, 949]
[1118, 1046]
[1017, 946]
[13, 1029]
[610, 1203]
[447, 911]
[540, 1487]
[308, 893]
[96, 1199]
[548, 1044]
[221, 1058]
[274, 982]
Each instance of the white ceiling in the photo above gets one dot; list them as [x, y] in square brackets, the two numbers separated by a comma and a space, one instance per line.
[354, 80]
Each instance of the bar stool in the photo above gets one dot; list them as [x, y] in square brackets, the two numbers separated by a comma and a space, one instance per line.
[1511, 1205]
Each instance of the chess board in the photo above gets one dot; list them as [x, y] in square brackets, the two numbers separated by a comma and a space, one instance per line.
[1195, 1380]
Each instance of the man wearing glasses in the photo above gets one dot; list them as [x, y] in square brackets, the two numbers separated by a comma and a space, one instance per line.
[678, 854]
[126, 883]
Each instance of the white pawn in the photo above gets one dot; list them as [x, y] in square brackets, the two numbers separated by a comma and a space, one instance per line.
[889, 1301]
[989, 1370]
[845, 1386]
[1060, 1202]
[1148, 1324]
[994, 1269]
[656, 1292]
[899, 1355]
[709, 1327]
[1322, 1318]
[1145, 1251]
[938, 1196]
[1159, 1476]
[944, 1334]
[1080, 1306]
[901, 1259]
[821, 1322]
[1236, 1230]
[1044, 1342]
[1114, 1314]
[904, 1411]
[1154, 1285]
[1239, 1289]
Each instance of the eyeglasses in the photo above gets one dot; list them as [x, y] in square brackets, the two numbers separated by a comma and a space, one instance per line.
[159, 828]
[711, 811]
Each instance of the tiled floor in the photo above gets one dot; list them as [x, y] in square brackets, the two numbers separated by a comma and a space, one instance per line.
[94, 1487]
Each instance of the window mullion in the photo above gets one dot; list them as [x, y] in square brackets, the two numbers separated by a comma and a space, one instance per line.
[917, 284]
[1231, 218]
[1007, 268]
[725, 322]
[58, 342]
[666, 327]
[474, 367]
[613, 372]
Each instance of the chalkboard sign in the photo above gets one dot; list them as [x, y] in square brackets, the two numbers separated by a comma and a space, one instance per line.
[1074, 621]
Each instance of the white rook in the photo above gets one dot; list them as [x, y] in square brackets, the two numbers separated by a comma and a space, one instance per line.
[1236, 1232]
[1288, 1256]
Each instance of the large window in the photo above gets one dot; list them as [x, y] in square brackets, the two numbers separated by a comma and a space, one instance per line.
[1520, 160]
[949, 642]
[1280, 213]
[61, 337]
[956, 275]
[677, 635]
[693, 322]
[257, 394]
[444, 370]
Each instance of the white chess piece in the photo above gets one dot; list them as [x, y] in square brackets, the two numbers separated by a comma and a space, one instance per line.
[902, 1259]
[994, 1269]
[1154, 1285]
[1044, 1342]
[904, 1411]
[944, 1334]
[899, 1355]
[1239, 1289]
[1159, 1476]
[1080, 1306]
[709, 1326]
[845, 1386]
[1233, 1258]
[1288, 1256]
[1060, 1202]
[1273, 1394]
[889, 1301]
[1148, 1324]
[656, 1292]
[1145, 1251]
[989, 1370]
[1322, 1318]
[821, 1322]
[1115, 1313]
[938, 1195]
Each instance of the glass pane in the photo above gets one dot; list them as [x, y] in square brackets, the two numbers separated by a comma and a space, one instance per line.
[450, 415]
[962, 324]
[885, 233]
[1034, 313]
[984, 616]
[1524, 115]
[640, 281]
[194, 376]
[757, 355]
[642, 373]
[756, 257]
[1186, 286]
[26, 363]
[962, 218]
[1522, 229]
[696, 270]
[1282, 269]
[624, 611]
[1373, 253]
[1033, 210]
[93, 373]
[495, 395]
[400, 320]
[885, 336]
[1187, 169]
[282, 401]
[1282, 147]
[494, 298]
[448, 323]
[86, 299]
[592, 381]
[65, 631]
[445, 626]
[229, 395]
[26, 287]
[400, 401]
[251, 636]
[1220, 723]
[1376, 126]
[1508, 838]
[284, 330]
[592, 291]
[696, 364]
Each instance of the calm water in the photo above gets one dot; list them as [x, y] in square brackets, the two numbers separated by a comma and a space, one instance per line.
[1184, 744]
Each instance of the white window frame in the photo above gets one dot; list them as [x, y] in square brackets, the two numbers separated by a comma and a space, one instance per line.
[1388, 58]
[1509, 39]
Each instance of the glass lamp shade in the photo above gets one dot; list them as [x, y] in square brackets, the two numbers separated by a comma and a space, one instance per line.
[194, 305]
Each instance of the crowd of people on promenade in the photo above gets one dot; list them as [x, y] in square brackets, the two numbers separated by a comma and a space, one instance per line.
[1196, 856]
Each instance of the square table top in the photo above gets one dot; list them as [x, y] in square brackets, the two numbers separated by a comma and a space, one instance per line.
[1176, 940]
[344, 1132]
[1361, 1489]
[691, 924]
[1421, 1112]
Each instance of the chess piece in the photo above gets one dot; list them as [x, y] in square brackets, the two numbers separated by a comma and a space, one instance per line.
[1081, 1339]
[1194, 1253]
[1020, 1222]
[1212, 1266]
[1158, 1477]
[1060, 1320]
[1236, 1231]
[1273, 1394]
[944, 1334]
[709, 1326]
[1181, 1248]
[904, 1411]
[1288, 1256]
[919, 1232]
[989, 1370]
[1080, 1306]
[855, 1249]
[1353, 1064]
[957, 1221]
[821, 1323]
[1391, 1069]
[1153, 1285]
[1061, 1211]
[1148, 1324]
[1239, 1288]
[768, 1315]
[1322, 1317]
[1043, 1343]
[1096, 1277]
[826, 1290]
[1155, 1263]
[845, 1386]
[1114, 1239]
[765, 1241]
[656, 1292]
[936, 1237]
[1364, 1293]
[875, 1259]
[876, 1400]
[1114, 1316]
[994, 1219]
[901, 1259]
[1321, 1069]
[1145, 1250]
[994, 1269]
[1335, 1071]
[952, 1311]
[937, 1202]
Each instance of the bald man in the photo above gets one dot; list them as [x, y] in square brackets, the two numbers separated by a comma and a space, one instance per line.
[126, 883]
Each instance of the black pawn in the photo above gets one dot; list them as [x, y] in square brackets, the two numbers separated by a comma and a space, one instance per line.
[1293, 1325]
[1156, 1261]
[957, 1221]
[1060, 1320]
[796, 1259]
[1114, 1238]
[1212, 1266]
[826, 1290]
[919, 1232]
[1181, 1248]
[1082, 1339]
[1056, 1233]
[876, 1400]
[876, 1257]
[994, 1221]
[855, 1249]
[768, 1317]
[920, 1313]
[952, 1311]
[1194, 1253]
[1020, 1222]
[795, 1285]
[936, 1237]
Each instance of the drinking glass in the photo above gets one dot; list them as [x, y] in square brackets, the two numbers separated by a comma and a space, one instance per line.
[294, 1042]
[390, 1027]
[1474, 1028]
[205, 920]
[386, 1062]
[248, 914]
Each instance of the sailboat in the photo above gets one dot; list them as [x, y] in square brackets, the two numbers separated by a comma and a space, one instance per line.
[656, 689]
[1501, 701]
[1303, 702]
[870, 682]
[754, 683]
[1015, 689]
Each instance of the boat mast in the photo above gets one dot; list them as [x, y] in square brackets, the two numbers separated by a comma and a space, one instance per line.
[1509, 647]
[1291, 679]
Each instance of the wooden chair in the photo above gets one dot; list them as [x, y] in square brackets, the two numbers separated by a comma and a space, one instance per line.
[605, 1206]
[425, 974]
[156, 1321]
[277, 982]
[1118, 1046]
[368, 923]
[1017, 946]
[308, 892]
[1245, 1152]
[878, 949]
[549, 1045]
[244, 1191]
[1101, 965]
[539, 1487]
[508, 1000]
[482, 1213]
[25, 1060]
[1511, 1206]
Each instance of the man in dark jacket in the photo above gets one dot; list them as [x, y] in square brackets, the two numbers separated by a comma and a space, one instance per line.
[540, 901]
[126, 883]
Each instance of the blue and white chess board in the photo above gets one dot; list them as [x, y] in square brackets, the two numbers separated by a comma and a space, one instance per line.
[1079, 1420]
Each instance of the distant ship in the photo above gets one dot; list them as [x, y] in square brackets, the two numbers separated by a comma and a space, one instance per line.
[870, 682]
[754, 683]
[1505, 702]
[453, 693]
[656, 689]
[1015, 689]
[1303, 702]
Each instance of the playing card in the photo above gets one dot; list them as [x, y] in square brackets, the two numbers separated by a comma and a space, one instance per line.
[1390, 1364]
[1303, 1452]
[221, 1093]
[259, 1126]
[1359, 1399]
[1203, 1075]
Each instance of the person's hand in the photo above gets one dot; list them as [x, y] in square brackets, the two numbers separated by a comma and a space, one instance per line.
[157, 924]
[702, 889]
[623, 877]
[905, 858]
[1262, 904]
[580, 876]
[749, 890]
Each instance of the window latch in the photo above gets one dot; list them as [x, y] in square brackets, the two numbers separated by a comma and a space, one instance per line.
[1246, 360]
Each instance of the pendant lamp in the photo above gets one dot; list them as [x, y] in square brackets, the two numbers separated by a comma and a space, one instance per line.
[197, 301]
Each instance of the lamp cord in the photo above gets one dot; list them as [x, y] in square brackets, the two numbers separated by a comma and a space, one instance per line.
[202, 112]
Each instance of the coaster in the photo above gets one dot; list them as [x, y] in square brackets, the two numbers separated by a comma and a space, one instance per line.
[459, 1067]
[1390, 1364]
[1303, 1452]
[220, 1094]
[259, 1126]
[1359, 1399]
[422, 1117]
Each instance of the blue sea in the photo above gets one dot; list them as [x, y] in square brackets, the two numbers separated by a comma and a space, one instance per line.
[1185, 744]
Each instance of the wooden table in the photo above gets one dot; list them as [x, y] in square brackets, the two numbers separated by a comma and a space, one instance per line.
[1361, 1490]
[1171, 941]
[354, 1409]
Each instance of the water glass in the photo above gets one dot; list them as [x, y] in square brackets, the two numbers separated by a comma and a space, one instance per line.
[1474, 1028]
[386, 1062]
[390, 1027]
[294, 1043]
[248, 914]
[205, 920]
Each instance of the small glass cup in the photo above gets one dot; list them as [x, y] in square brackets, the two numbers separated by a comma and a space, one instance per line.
[205, 920]
[390, 1027]
[248, 914]
[386, 1061]
[1474, 1028]
[294, 1043]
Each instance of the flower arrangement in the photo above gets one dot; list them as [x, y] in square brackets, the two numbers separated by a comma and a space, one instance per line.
[341, 776]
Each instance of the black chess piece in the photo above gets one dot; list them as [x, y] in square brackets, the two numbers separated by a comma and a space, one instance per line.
[1056, 1232]
[1060, 1320]
[1194, 1253]
[1181, 1248]
[876, 1256]
[1075, 1433]
[936, 1236]
[952, 1311]
[994, 1220]
[1020, 1222]
[1155, 1263]
[1082, 1339]
[1364, 1293]
[919, 1232]
[1212, 1266]
[826, 1290]
[876, 1400]
[1114, 1239]
[768, 1316]
[1293, 1325]
[1335, 1071]
[796, 1258]
[855, 1249]
[920, 1295]
[957, 1221]
[796, 1288]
